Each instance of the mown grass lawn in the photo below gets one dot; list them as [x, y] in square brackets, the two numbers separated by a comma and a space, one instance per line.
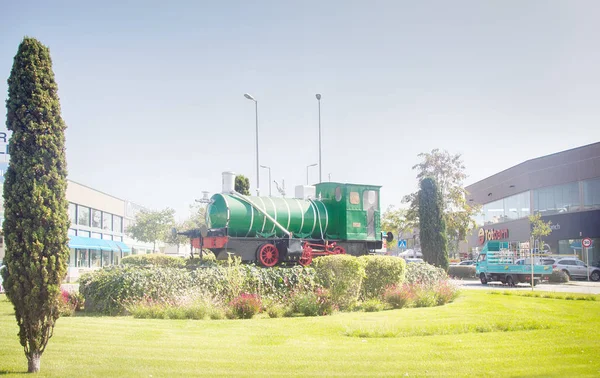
[480, 334]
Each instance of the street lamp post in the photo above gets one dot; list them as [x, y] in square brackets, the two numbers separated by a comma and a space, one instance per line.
[269, 168]
[249, 97]
[308, 166]
[318, 95]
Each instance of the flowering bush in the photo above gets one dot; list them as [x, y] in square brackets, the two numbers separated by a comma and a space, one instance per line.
[421, 295]
[70, 302]
[445, 292]
[245, 306]
[398, 296]
[424, 274]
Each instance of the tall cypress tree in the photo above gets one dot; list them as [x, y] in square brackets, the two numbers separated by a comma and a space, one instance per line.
[36, 218]
[432, 227]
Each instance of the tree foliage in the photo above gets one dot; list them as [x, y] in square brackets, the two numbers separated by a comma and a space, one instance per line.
[432, 225]
[242, 185]
[539, 229]
[35, 206]
[394, 220]
[448, 172]
[152, 226]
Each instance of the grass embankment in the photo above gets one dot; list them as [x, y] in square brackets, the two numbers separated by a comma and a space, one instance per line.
[478, 335]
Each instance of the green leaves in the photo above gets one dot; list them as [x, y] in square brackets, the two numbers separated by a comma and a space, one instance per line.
[35, 207]
[152, 226]
[448, 172]
[432, 227]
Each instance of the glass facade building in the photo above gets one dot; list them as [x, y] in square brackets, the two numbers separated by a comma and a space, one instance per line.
[564, 188]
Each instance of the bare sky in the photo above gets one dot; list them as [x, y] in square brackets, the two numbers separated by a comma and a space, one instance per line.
[152, 92]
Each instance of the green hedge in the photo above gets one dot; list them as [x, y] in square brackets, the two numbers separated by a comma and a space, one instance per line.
[462, 271]
[424, 274]
[343, 276]
[154, 260]
[109, 290]
[381, 272]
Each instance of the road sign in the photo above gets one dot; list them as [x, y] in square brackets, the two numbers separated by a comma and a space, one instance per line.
[587, 242]
[402, 243]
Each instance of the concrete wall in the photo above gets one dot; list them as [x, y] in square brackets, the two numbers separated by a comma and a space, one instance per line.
[86, 196]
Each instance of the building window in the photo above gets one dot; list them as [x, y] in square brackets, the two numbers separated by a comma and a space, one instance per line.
[83, 215]
[72, 257]
[95, 258]
[96, 235]
[96, 218]
[557, 199]
[117, 223]
[73, 213]
[106, 258]
[107, 221]
[72, 232]
[85, 234]
[506, 209]
[83, 258]
[106, 237]
[591, 194]
[118, 238]
[517, 206]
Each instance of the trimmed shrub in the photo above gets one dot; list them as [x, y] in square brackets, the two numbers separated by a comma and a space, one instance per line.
[462, 271]
[398, 296]
[424, 274]
[558, 276]
[381, 272]
[154, 260]
[245, 306]
[342, 275]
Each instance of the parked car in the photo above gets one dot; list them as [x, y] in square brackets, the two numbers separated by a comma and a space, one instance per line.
[413, 260]
[576, 268]
[467, 262]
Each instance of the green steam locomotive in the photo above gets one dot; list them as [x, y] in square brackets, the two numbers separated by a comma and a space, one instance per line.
[327, 218]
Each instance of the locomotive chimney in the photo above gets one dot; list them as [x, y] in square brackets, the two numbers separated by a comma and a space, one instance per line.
[228, 184]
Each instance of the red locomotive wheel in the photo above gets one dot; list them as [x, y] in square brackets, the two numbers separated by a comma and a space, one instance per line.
[339, 250]
[268, 255]
[306, 258]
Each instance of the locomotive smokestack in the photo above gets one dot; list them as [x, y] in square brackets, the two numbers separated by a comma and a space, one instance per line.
[228, 184]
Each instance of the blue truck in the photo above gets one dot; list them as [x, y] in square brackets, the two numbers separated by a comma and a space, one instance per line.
[497, 262]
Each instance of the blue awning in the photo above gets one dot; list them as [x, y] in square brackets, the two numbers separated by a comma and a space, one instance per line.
[80, 242]
[122, 246]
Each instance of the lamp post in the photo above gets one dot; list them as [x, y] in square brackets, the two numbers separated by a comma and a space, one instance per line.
[269, 168]
[249, 97]
[308, 166]
[318, 96]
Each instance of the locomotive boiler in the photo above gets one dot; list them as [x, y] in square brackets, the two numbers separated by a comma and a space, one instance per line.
[327, 218]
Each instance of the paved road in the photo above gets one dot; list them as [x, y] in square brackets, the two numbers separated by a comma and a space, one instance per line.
[582, 287]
